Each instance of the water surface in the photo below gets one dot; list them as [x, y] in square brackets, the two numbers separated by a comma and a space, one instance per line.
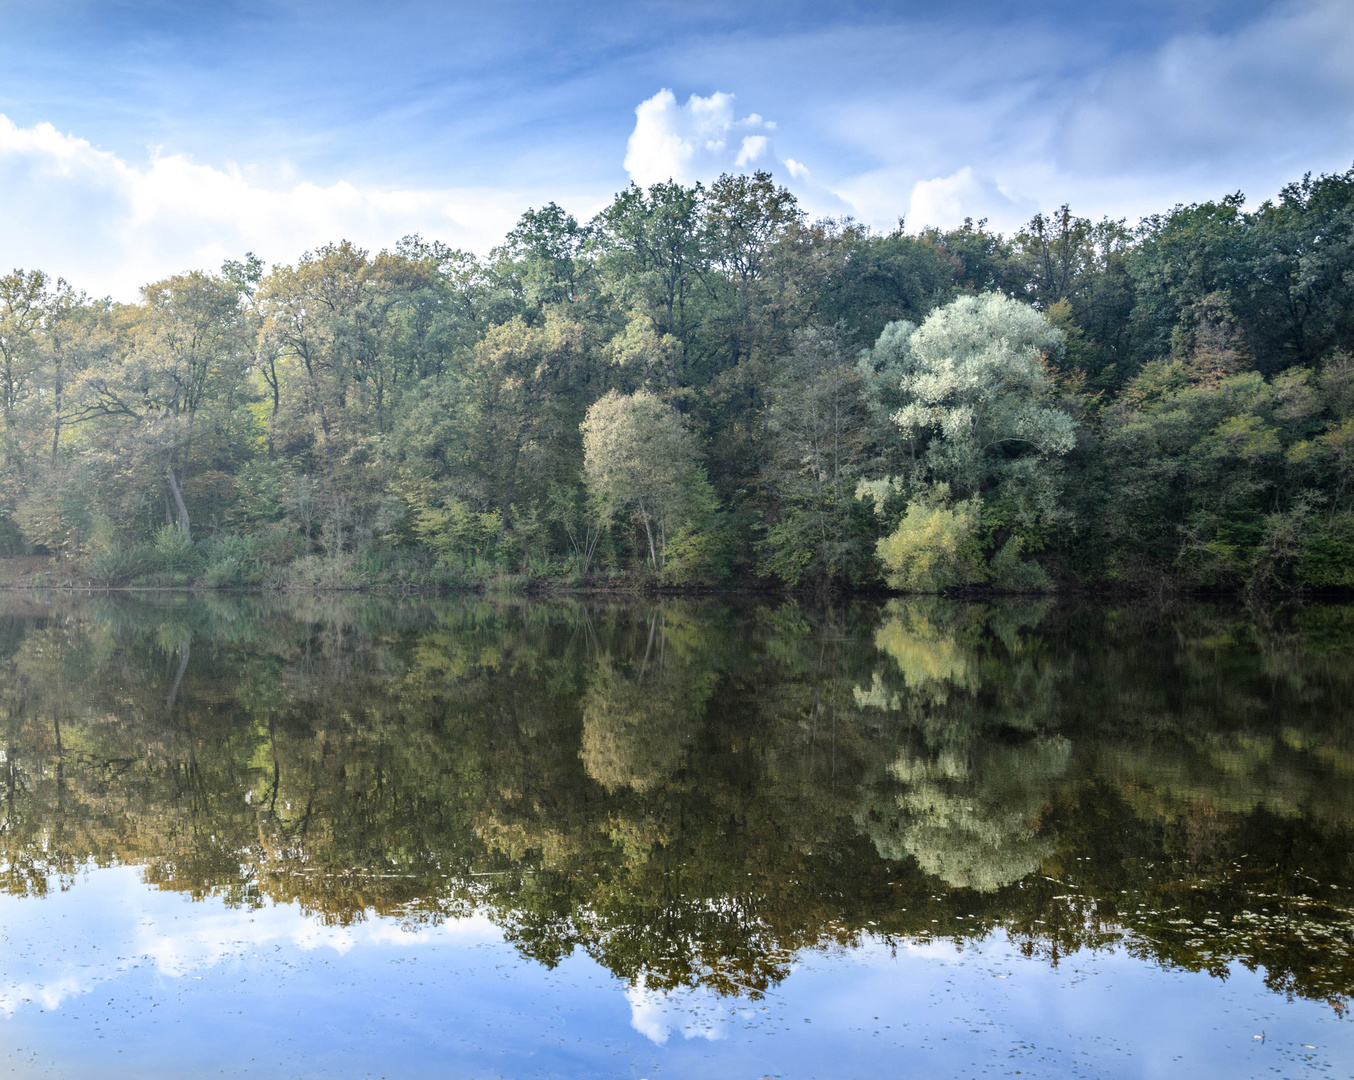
[408, 838]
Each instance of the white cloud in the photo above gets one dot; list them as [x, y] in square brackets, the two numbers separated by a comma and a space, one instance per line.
[695, 141]
[947, 200]
[112, 923]
[754, 148]
[110, 226]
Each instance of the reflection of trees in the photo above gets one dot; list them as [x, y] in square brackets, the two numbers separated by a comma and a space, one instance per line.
[966, 806]
[691, 792]
[932, 659]
[972, 820]
[636, 728]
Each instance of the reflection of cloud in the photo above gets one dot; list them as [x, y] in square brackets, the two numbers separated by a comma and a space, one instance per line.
[141, 925]
[111, 226]
[695, 141]
[49, 994]
[655, 1013]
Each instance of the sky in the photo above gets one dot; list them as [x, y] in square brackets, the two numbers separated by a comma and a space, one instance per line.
[140, 139]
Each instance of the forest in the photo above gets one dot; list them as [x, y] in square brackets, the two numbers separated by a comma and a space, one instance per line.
[702, 387]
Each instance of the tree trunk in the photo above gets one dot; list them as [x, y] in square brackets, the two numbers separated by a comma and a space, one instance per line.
[653, 557]
[178, 502]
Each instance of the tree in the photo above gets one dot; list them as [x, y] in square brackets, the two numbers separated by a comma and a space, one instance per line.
[637, 454]
[980, 420]
[545, 254]
[650, 253]
[188, 356]
[23, 298]
[820, 431]
[889, 278]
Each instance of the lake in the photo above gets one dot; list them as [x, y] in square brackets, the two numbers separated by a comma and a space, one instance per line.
[467, 837]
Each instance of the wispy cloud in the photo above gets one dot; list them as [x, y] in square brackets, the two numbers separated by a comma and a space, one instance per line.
[1280, 87]
[110, 226]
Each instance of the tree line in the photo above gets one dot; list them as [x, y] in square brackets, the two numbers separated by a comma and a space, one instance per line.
[703, 385]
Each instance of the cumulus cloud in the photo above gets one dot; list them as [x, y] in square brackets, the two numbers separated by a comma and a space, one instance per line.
[946, 201]
[695, 141]
[110, 226]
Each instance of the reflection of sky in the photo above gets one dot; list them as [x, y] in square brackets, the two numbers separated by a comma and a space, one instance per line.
[111, 979]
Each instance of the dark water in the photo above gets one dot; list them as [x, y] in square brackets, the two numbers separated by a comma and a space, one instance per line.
[463, 838]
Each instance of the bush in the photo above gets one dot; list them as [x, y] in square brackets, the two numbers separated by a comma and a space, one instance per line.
[323, 572]
[174, 552]
[935, 547]
[1011, 573]
[232, 561]
[118, 565]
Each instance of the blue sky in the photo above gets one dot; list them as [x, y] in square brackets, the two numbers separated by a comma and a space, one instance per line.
[140, 139]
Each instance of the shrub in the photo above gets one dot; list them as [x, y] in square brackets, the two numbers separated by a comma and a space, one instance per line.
[232, 561]
[118, 565]
[934, 547]
[1011, 573]
[174, 552]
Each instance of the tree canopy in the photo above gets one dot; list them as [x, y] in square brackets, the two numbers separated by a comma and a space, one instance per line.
[802, 403]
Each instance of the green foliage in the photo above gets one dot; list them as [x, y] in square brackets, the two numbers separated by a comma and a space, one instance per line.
[232, 561]
[935, 546]
[174, 552]
[457, 533]
[822, 433]
[639, 456]
[1327, 554]
[118, 565]
[981, 424]
[1170, 404]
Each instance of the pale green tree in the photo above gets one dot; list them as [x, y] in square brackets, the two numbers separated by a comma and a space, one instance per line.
[638, 455]
[983, 430]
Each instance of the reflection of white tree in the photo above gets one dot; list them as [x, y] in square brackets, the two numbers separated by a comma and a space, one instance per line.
[972, 820]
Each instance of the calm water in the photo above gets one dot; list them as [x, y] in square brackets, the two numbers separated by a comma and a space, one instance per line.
[460, 838]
